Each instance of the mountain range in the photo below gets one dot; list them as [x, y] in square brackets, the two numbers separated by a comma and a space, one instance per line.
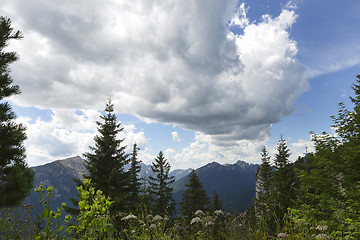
[235, 183]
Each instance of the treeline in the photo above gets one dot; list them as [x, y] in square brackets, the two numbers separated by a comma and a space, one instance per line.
[130, 193]
[320, 192]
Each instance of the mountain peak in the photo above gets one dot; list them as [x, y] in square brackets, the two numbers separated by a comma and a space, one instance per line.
[212, 164]
[242, 163]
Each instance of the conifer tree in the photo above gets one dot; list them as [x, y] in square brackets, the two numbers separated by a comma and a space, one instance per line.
[107, 160]
[160, 186]
[347, 125]
[283, 179]
[134, 179]
[329, 178]
[194, 197]
[16, 178]
[216, 202]
[263, 185]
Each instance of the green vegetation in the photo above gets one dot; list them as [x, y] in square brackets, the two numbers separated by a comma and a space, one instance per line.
[107, 160]
[15, 177]
[194, 197]
[160, 189]
[134, 180]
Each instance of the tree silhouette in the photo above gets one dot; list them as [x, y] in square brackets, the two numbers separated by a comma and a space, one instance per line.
[16, 178]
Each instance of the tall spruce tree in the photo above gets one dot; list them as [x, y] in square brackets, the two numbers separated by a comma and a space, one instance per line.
[263, 185]
[283, 180]
[107, 160]
[134, 180]
[163, 203]
[16, 178]
[194, 197]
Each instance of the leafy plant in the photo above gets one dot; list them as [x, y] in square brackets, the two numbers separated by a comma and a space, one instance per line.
[47, 216]
[94, 220]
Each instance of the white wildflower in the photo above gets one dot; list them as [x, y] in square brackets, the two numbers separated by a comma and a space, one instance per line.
[321, 227]
[152, 226]
[209, 224]
[282, 235]
[322, 236]
[128, 217]
[157, 218]
[199, 213]
[195, 220]
[219, 213]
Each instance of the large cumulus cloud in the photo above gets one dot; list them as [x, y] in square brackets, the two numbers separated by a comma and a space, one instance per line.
[167, 61]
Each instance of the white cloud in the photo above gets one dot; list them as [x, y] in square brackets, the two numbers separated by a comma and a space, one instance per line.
[69, 133]
[301, 147]
[201, 151]
[146, 157]
[239, 19]
[175, 137]
[170, 62]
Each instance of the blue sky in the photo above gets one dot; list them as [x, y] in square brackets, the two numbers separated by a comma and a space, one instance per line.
[201, 81]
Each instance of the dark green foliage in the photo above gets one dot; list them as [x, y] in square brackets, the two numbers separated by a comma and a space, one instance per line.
[329, 177]
[194, 197]
[283, 181]
[347, 125]
[160, 186]
[216, 202]
[74, 211]
[15, 177]
[263, 185]
[107, 160]
[134, 180]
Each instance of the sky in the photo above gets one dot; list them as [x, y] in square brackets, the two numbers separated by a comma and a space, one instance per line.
[201, 81]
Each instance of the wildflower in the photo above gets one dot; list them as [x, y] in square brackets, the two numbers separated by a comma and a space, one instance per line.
[166, 218]
[282, 235]
[209, 224]
[321, 227]
[322, 236]
[219, 213]
[199, 213]
[195, 220]
[157, 218]
[128, 217]
[152, 226]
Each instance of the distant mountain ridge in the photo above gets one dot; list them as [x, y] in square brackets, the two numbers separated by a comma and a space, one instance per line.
[59, 175]
[235, 183]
